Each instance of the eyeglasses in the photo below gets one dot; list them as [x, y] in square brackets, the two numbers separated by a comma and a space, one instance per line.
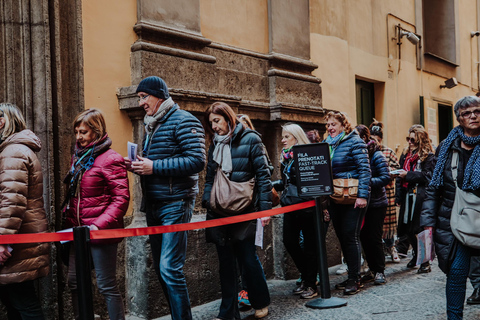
[143, 98]
[411, 140]
[468, 114]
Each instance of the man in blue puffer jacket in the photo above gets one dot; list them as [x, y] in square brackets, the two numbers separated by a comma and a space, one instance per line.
[173, 155]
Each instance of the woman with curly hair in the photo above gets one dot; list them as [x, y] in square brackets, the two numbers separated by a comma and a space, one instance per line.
[417, 163]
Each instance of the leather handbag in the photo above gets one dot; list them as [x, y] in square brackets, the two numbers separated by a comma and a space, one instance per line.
[230, 197]
[275, 198]
[345, 191]
[465, 218]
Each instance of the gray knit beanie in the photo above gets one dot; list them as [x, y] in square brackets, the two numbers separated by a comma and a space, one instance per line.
[154, 86]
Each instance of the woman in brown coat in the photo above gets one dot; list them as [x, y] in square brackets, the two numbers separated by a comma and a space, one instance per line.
[21, 211]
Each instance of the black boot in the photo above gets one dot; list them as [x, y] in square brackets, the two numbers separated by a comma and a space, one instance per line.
[412, 263]
[474, 298]
[424, 268]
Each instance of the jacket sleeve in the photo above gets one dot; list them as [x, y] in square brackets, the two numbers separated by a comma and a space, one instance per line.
[428, 215]
[13, 191]
[381, 166]
[360, 156]
[115, 175]
[190, 157]
[209, 178]
[424, 176]
[262, 173]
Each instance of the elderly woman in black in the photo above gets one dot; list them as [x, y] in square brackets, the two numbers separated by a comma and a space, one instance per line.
[453, 257]
[239, 153]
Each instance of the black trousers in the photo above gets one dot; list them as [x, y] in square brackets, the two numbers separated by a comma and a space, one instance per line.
[371, 238]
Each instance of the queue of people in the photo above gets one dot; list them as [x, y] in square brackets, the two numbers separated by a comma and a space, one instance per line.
[173, 155]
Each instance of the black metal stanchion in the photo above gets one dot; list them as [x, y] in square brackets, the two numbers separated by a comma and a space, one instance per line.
[326, 301]
[81, 238]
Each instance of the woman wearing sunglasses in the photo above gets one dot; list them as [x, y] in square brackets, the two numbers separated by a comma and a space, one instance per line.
[417, 163]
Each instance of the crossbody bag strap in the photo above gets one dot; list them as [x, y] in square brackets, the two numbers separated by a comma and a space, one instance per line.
[454, 165]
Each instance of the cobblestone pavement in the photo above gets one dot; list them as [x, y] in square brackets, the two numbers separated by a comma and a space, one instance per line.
[407, 295]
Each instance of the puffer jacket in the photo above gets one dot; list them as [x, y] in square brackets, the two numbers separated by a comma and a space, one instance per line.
[103, 196]
[438, 204]
[350, 160]
[419, 180]
[21, 207]
[380, 179]
[177, 149]
[248, 161]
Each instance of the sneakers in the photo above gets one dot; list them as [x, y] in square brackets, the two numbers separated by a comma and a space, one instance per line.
[352, 287]
[394, 254]
[380, 278]
[341, 285]
[243, 299]
[309, 293]
[261, 313]
[368, 277]
[300, 289]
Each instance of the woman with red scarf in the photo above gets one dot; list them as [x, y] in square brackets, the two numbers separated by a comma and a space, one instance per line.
[417, 163]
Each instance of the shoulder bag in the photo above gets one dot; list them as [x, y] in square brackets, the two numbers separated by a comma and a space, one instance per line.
[345, 191]
[230, 197]
[465, 216]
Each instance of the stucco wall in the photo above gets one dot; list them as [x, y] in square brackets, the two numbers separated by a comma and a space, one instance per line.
[107, 38]
[353, 40]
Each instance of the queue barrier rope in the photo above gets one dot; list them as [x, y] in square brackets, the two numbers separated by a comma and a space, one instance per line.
[134, 232]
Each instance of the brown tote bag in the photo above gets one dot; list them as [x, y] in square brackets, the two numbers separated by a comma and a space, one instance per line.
[230, 197]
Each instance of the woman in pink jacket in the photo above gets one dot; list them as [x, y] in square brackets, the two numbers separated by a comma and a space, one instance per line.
[97, 197]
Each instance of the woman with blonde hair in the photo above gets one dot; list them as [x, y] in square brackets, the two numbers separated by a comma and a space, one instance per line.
[348, 153]
[297, 222]
[21, 212]
[417, 163]
[97, 197]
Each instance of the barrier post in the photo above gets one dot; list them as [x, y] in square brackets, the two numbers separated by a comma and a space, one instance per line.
[326, 301]
[81, 239]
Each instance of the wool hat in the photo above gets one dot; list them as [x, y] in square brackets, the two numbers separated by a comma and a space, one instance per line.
[154, 86]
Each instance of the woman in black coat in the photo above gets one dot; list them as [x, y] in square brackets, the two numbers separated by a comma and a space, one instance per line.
[239, 153]
[417, 163]
[372, 230]
[454, 257]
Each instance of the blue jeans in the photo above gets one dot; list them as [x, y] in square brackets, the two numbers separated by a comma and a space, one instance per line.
[169, 252]
[457, 282]
[255, 281]
[104, 258]
[347, 223]
[21, 301]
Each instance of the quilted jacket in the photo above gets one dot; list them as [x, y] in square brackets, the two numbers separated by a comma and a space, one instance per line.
[177, 149]
[21, 207]
[380, 179]
[350, 160]
[103, 195]
[248, 160]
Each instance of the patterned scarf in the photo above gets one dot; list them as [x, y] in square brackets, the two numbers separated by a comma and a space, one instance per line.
[471, 178]
[83, 160]
[287, 153]
[410, 164]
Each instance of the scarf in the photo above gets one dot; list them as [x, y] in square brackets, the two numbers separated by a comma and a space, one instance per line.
[410, 164]
[287, 153]
[471, 177]
[151, 121]
[83, 160]
[221, 154]
[333, 143]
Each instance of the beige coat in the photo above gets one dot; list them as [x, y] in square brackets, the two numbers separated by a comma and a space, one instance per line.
[21, 207]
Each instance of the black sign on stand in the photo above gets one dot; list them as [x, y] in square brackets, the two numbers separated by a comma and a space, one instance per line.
[314, 178]
[313, 169]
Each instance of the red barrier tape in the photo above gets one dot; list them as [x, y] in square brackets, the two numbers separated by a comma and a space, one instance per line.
[123, 233]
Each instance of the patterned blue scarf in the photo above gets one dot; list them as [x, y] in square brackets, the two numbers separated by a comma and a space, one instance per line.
[471, 178]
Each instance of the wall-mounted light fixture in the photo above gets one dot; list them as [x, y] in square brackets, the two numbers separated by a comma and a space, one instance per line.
[412, 37]
[474, 33]
[449, 83]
